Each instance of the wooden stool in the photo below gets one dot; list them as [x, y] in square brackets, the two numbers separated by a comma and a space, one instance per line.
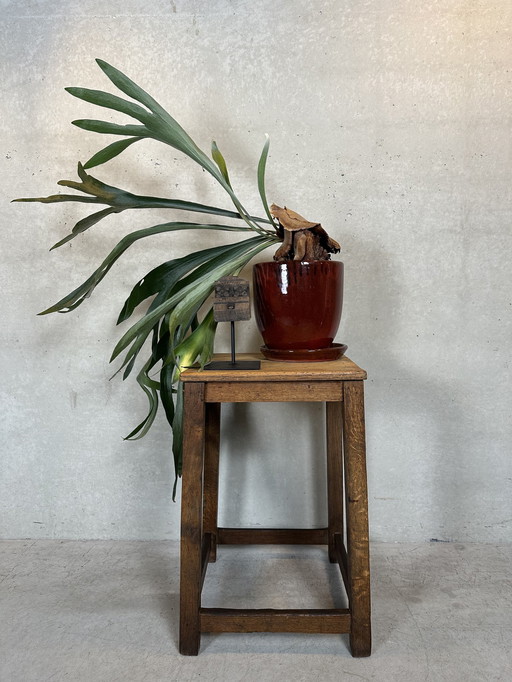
[340, 385]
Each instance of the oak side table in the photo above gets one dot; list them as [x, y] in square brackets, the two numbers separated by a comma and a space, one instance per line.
[340, 385]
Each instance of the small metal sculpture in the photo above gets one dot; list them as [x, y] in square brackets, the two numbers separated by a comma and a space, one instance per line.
[232, 304]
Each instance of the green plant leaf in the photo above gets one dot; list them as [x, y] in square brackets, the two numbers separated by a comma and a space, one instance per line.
[164, 127]
[78, 295]
[85, 224]
[194, 295]
[194, 289]
[130, 88]
[166, 391]
[198, 344]
[160, 126]
[108, 128]
[221, 162]
[109, 101]
[58, 198]
[121, 199]
[159, 351]
[262, 164]
[181, 304]
[150, 388]
[177, 437]
[164, 277]
[110, 152]
[91, 185]
[179, 287]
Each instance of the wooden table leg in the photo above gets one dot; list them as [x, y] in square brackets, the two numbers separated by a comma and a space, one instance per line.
[211, 475]
[334, 475]
[357, 517]
[191, 518]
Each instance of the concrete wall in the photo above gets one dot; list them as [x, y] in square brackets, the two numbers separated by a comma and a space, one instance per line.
[390, 123]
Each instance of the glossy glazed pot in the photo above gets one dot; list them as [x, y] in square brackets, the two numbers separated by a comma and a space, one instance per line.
[298, 309]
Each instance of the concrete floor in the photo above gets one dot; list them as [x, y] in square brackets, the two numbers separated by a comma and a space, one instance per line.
[99, 611]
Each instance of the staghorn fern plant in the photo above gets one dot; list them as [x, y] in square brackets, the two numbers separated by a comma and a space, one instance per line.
[180, 287]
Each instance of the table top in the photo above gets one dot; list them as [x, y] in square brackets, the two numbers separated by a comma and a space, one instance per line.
[271, 370]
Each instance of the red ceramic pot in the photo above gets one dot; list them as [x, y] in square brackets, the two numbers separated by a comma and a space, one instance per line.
[298, 309]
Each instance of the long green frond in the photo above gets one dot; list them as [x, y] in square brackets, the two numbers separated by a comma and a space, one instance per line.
[108, 128]
[105, 99]
[85, 224]
[78, 295]
[198, 286]
[151, 389]
[164, 127]
[164, 277]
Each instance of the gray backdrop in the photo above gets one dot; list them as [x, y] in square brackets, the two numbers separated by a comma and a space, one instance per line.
[390, 124]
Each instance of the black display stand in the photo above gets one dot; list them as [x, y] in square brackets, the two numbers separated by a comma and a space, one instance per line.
[233, 364]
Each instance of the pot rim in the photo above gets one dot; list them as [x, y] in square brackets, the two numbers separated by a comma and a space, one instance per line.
[299, 263]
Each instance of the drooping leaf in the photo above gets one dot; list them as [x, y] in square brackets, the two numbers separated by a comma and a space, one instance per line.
[198, 286]
[85, 224]
[195, 294]
[177, 438]
[133, 351]
[198, 345]
[150, 388]
[127, 369]
[159, 351]
[166, 391]
[164, 277]
[78, 295]
[179, 287]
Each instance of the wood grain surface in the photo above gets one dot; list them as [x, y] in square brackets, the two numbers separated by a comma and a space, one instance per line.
[314, 621]
[340, 385]
[357, 518]
[272, 370]
[272, 390]
[191, 549]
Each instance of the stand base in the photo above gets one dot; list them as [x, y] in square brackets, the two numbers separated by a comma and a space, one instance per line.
[226, 364]
[305, 354]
